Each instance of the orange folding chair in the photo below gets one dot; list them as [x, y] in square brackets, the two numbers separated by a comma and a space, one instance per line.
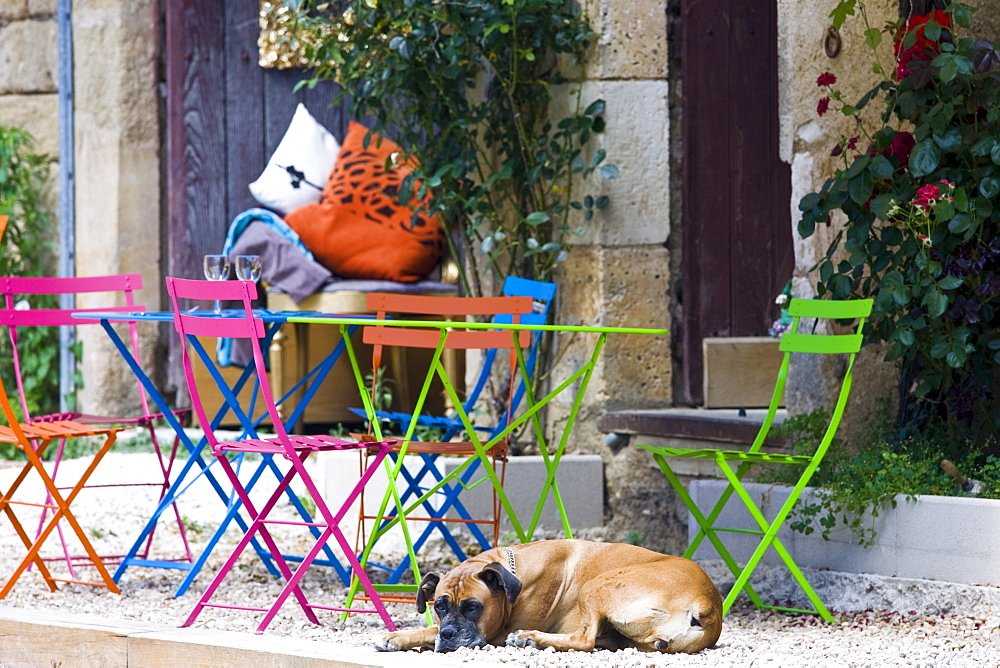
[428, 494]
[34, 440]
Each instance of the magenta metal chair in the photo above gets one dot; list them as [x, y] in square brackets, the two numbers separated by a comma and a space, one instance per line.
[20, 309]
[293, 448]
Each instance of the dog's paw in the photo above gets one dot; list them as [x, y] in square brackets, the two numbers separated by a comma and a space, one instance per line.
[388, 643]
[520, 639]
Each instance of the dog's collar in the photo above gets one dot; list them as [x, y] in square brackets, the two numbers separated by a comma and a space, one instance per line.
[511, 566]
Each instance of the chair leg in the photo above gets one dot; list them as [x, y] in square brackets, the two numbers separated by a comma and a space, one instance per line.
[706, 530]
[770, 539]
[62, 511]
[5, 506]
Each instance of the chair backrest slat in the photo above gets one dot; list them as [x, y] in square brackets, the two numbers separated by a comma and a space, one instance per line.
[49, 317]
[411, 337]
[820, 343]
[60, 285]
[828, 308]
[447, 306]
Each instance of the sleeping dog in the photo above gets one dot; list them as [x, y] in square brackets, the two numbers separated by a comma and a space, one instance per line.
[568, 594]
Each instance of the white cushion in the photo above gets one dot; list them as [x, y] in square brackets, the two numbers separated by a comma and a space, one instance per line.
[307, 148]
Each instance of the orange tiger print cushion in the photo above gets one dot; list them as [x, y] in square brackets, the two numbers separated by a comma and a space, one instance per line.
[359, 229]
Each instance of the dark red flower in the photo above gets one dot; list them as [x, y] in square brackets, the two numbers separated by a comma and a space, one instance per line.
[823, 105]
[923, 48]
[852, 143]
[826, 79]
[900, 148]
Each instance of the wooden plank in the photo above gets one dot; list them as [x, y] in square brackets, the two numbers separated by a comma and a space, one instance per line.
[705, 57]
[196, 133]
[740, 372]
[246, 153]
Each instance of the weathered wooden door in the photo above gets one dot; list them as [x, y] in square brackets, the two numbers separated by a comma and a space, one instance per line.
[737, 229]
[225, 116]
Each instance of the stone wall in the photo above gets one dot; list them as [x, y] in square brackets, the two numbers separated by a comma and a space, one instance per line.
[28, 93]
[117, 144]
[618, 274]
[118, 182]
[806, 142]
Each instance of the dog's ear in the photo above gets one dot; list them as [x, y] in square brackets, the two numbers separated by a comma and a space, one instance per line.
[428, 585]
[498, 579]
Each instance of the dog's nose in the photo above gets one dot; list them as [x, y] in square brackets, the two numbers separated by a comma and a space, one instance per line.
[447, 633]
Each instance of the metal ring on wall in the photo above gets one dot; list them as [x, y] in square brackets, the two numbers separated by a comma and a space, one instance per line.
[832, 43]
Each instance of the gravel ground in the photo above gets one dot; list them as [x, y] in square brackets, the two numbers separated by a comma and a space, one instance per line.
[925, 636]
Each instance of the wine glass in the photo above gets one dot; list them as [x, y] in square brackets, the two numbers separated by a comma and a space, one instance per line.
[216, 269]
[248, 267]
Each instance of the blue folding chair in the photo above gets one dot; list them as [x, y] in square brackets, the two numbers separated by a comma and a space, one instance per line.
[447, 500]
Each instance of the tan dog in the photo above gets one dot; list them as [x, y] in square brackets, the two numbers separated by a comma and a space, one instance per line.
[568, 594]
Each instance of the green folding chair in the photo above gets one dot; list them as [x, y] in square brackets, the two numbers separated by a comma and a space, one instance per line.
[735, 464]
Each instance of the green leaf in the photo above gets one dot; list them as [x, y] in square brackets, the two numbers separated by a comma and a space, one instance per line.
[948, 68]
[989, 187]
[881, 167]
[596, 108]
[537, 218]
[924, 158]
[935, 302]
[609, 171]
[861, 188]
[949, 282]
[857, 167]
[873, 37]
[840, 13]
[950, 141]
[985, 146]
[962, 14]
[994, 151]
[960, 223]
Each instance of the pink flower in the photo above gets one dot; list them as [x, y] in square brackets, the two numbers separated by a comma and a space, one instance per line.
[826, 79]
[823, 105]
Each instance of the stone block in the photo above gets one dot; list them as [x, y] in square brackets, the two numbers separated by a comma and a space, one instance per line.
[636, 140]
[38, 115]
[13, 10]
[42, 7]
[28, 57]
[623, 287]
[631, 39]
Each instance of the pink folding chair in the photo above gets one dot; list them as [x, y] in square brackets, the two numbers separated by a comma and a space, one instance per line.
[36, 293]
[296, 449]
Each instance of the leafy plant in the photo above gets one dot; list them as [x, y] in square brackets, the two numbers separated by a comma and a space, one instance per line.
[28, 251]
[852, 490]
[469, 89]
[921, 197]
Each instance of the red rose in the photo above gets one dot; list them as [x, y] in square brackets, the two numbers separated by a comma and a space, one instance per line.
[923, 48]
[852, 143]
[826, 79]
[900, 148]
[823, 105]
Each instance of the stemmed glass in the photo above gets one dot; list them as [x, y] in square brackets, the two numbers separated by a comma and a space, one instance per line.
[248, 267]
[216, 269]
